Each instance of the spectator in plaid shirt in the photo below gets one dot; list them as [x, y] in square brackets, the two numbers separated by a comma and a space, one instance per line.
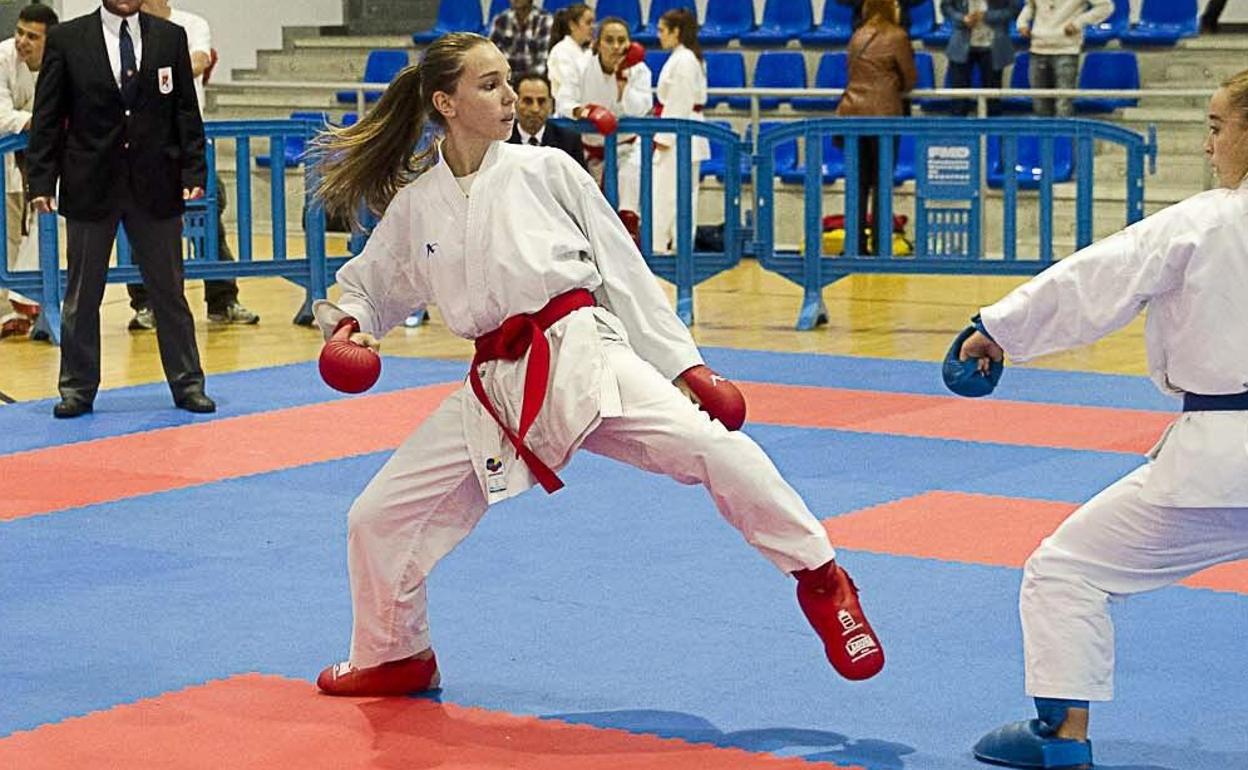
[522, 33]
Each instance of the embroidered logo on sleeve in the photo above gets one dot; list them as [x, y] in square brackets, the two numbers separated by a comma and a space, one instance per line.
[430, 248]
[496, 475]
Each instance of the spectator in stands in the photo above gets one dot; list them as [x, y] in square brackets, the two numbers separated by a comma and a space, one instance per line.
[1209, 19]
[221, 296]
[570, 41]
[534, 105]
[21, 56]
[881, 70]
[522, 33]
[903, 9]
[108, 79]
[980, 41]
[681, 94]
[610, 85]
[1055, 29]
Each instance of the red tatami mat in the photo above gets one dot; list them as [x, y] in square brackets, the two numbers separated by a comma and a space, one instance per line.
[273, 723]
[45, 480]
[978, 529]
[992, 420]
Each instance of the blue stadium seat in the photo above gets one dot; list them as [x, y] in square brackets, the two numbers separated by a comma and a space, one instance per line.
[726, 20]
[716, 164]
[836, 28]
[628, 10]
[783, 20]
[903, 169]
[832, 168]
[785, 153]
[1020, 77]
[922, 19]
[349, 119]
[550, 6]
[649, 34]
[778, 69]
[1108, 69]
[925, 71]
[655, 59]
[295, 145]
[833, 72]
[1163, 22]
[1112, 28]
[381, 67]
[940, 34]
[453, 16]
[726, 69]
[1027, 166]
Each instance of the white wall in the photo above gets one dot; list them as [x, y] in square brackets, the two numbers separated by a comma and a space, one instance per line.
[240, 27]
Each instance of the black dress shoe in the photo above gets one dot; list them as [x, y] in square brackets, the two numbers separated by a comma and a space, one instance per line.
[71, 407]
[197, 403]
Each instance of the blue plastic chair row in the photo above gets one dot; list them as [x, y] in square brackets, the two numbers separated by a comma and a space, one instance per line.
[381, 67]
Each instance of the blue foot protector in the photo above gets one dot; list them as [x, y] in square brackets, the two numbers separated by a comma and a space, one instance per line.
[1023, 744]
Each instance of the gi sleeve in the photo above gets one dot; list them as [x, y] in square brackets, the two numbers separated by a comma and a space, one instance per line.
[384, 283]
[12, 119]
[569, 96]
[637, 100]
[1097, 290]
[630, 290]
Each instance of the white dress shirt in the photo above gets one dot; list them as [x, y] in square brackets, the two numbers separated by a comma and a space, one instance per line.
[525, 137]
[112, 40]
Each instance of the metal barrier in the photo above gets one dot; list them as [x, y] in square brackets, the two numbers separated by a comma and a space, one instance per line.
[948, 241]
[813, 270]
[200, 226]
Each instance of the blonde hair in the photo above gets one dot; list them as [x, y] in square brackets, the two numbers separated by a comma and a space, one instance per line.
[1237, 89]
[373, 159]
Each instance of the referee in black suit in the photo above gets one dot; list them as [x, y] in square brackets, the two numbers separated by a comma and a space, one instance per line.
[116, 121]
[533, 107]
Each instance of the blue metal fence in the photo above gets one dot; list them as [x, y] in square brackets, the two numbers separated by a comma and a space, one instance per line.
[947, 238]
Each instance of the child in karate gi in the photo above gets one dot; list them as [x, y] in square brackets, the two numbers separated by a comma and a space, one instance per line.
[576, 346]
[1186, 509]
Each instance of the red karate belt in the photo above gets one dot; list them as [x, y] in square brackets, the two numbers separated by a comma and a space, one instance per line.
[599, 152]
[509, 342]
[658, 109]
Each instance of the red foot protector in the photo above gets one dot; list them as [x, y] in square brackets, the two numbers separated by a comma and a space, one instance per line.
[717, 395]
[347, 366]
[830, 600]
[398, 677]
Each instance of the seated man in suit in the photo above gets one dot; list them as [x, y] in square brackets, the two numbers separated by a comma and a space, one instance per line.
[534, 105]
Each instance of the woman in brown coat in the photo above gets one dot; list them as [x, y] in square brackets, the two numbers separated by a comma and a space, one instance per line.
[881, 69]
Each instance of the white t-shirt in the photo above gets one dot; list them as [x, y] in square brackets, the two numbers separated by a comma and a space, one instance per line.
[198, 38]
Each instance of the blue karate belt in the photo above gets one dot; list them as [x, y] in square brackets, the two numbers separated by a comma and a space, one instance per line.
[964, 377]
[1232, 402]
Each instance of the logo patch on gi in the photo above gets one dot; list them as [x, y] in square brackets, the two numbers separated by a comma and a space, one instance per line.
[430, 248]
[496, 476]
[164, 79]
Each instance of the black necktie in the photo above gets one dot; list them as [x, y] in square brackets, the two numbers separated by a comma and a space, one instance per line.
[533, 141]
[129, 69]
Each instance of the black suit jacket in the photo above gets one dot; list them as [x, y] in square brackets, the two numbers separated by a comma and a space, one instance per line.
[556, 136]
[82, 134]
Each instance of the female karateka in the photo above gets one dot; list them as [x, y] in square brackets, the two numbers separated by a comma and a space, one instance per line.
[681, 94]
[1185, 509]
[570, 38]
[576, 347]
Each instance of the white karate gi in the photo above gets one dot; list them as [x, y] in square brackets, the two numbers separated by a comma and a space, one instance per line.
[1187, 508]
[590, 85]
[535, 226]
[682, 86]
[17, 99]
[565, 60]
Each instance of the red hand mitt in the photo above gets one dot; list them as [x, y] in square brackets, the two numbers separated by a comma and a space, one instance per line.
[718, 396]
[603, 119]
[345, 365]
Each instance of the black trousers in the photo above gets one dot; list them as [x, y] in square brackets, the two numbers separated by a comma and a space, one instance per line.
[960, 77]
[158, 253]
[868, 187]
[1212, 11]
[218, 294]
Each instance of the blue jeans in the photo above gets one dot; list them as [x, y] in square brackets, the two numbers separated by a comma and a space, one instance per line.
[1054, 71]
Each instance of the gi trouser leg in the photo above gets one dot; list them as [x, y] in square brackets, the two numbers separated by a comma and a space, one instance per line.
[663, 432]
[1115, 545]
[418, 507]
